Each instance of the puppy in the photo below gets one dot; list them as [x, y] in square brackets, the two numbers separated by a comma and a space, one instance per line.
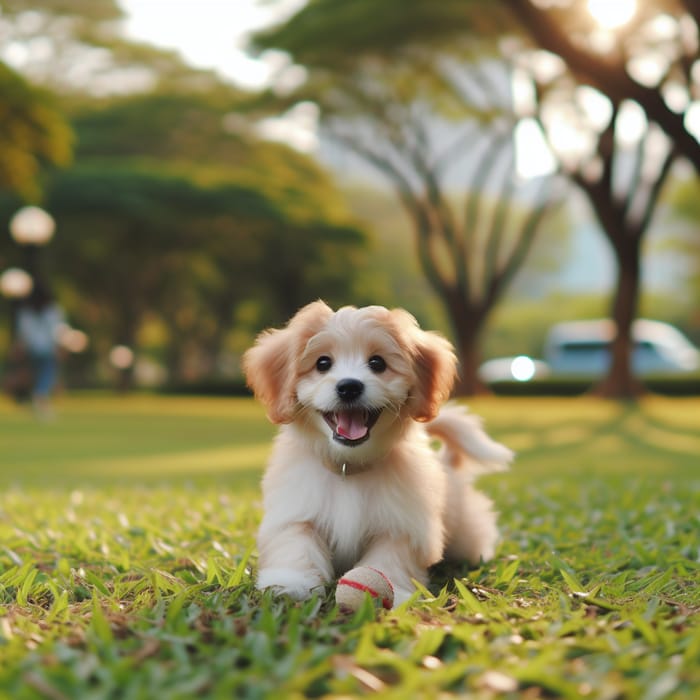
[353, 479]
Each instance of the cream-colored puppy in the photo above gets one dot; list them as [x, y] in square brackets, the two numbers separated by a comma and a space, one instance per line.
[353, 479]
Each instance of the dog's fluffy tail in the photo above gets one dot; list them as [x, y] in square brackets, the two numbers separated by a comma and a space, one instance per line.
[465, 444]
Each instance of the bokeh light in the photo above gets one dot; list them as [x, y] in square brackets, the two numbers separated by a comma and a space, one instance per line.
[15, 283]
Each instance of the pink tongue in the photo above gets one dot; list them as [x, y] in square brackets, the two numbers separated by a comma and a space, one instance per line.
[351, 425]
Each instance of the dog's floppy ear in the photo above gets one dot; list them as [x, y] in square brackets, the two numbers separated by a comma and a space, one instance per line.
[271, 365]
[435, 368]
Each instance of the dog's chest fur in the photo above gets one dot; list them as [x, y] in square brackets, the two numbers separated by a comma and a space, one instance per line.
[397, 497]
[357, 508]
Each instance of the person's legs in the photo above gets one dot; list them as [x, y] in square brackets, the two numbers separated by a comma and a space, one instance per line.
[45, 375]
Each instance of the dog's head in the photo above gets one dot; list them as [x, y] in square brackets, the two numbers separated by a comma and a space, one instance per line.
[352, 374]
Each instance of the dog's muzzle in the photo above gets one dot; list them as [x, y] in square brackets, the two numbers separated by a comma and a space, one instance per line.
[351, 426]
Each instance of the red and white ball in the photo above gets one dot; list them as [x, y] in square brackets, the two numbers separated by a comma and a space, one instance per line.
[360, 581]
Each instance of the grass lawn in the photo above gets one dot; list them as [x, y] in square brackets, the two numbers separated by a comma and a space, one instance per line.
[127, 554]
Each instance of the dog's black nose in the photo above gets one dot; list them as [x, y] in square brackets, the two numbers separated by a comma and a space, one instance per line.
[349, 389]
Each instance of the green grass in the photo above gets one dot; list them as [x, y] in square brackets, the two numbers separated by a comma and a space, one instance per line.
[127, 560]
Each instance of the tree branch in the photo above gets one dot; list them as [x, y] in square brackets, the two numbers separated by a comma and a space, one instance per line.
[498, 224]
[454, 150]
[523, 243]
[416, 206]
[609, 76]
[445, 229]
[654, 193]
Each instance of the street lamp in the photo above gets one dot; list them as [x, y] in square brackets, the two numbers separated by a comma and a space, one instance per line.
[31, 227]
[15, 283]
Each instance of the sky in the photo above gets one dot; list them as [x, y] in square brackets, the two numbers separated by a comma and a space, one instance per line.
[212, 34]
[209, 33]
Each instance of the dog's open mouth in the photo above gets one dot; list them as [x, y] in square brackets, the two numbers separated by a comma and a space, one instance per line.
[351, 426]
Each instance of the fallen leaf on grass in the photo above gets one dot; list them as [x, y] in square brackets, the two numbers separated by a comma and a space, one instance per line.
[345, 665]
[150, 648]
[499, 682]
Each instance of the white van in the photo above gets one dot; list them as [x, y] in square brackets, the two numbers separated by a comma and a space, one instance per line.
[582, 348]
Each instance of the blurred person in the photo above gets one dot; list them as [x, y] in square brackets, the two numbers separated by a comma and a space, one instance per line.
[17, 375]
[39, 322]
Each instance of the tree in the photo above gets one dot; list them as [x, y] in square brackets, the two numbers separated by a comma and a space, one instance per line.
[138, 241]
[33, 134]
[565, 31]
[443, 141]
[623, 175]
[175, 211]
[335, 32]
[609, 63]
[126, 237]
[623, 181]
[203, 132]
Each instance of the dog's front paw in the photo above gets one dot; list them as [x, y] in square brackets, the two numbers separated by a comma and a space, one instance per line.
[296, 584]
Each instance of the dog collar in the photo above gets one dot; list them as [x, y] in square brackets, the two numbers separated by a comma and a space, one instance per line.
[345, 469]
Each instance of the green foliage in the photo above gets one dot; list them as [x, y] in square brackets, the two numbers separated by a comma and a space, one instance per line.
[335, 33]
[95, 10]
[685, 203]
[198, 133]
[189, 252]
[33, 134]
[150, 228]
[128, 562]
[200, 224]
[180, 126]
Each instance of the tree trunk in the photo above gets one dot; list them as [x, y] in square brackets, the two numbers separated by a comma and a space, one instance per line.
[124, 374]
[468, 382]
[468, 324]
[620, 382]
[173, 354]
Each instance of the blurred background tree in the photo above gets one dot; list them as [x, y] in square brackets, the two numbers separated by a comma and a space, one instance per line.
[183, 229]
[180, 230]
[605, 79]
[643, 52]
[583, 51]
[440, 131]
[33, 135]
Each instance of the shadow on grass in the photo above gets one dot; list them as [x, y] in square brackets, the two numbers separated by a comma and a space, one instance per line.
[654, 436]
[149, 440]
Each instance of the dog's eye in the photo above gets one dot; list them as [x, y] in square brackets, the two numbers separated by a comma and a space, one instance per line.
[324, 363]
[376, 364]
